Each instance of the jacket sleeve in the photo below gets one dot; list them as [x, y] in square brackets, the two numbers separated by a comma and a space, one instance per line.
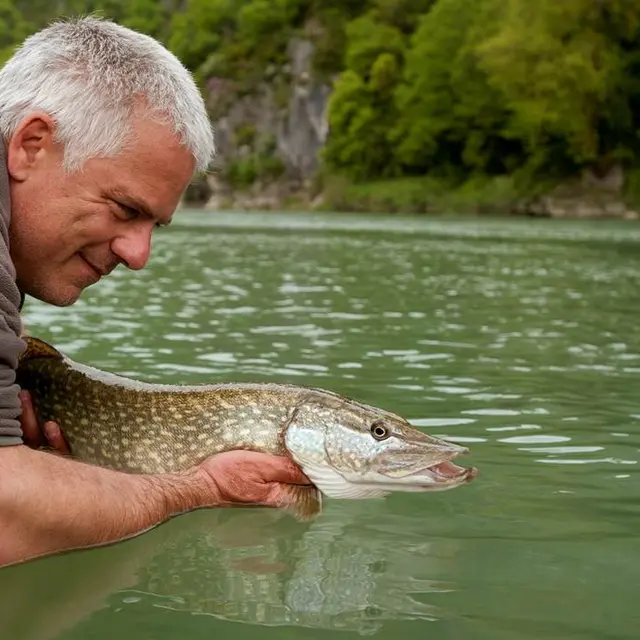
[10, 348]
[11, 344]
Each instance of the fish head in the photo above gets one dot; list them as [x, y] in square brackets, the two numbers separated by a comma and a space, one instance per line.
[352, 450]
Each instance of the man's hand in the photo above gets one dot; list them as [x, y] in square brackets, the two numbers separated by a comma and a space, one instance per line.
[248, 477]
[34, 437]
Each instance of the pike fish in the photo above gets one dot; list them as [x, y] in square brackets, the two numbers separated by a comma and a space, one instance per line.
[346, 448]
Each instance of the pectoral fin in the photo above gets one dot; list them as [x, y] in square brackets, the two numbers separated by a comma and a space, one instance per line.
[304, 502]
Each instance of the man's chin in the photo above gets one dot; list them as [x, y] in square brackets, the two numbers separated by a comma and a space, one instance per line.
[66, 302]
[58, 297]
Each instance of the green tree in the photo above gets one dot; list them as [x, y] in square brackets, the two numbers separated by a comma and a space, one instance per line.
[361, 111]
[450, 119]
[360, 114]
[401, 14]
[200, 30]
[14, 28]
[560, 68]
[368, 39]
[264, 28]
[329, 19]
[148, 16]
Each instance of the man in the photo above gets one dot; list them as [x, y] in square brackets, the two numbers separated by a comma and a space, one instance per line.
[103, 129]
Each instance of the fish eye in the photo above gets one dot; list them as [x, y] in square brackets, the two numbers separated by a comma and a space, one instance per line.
[379, 431]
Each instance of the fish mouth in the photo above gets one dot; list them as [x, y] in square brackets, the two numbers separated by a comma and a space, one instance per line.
[441, 475]
[446, 474]
[437, 473]
[437, 476]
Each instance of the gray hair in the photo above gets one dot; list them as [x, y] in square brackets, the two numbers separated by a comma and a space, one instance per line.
[89, 75]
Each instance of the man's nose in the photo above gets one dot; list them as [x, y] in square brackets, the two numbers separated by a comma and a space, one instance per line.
[133, 247]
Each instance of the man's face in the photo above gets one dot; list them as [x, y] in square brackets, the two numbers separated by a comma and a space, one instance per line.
[69, 229]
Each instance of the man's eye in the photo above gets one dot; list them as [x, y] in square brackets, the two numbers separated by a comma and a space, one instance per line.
[130, 213]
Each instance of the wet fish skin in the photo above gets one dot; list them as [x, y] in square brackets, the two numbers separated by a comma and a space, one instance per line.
[348, 449]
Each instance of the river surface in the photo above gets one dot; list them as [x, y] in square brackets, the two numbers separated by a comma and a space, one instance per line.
[518, 338]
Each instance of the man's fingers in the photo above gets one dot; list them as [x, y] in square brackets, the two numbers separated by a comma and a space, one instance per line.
[33, 437]
[55, 438]
[287, 471]
[241, 477]
[296, 476]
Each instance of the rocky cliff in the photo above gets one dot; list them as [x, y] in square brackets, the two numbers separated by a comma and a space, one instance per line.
[268, 140]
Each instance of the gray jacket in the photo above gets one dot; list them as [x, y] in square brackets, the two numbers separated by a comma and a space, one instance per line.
[11, 345]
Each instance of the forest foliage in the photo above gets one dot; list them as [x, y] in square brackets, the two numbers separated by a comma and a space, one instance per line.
[439, 88]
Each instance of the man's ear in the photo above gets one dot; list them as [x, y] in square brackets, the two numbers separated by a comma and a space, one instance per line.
[31, 145]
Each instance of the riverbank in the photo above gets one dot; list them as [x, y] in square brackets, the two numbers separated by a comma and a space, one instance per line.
[615, 196]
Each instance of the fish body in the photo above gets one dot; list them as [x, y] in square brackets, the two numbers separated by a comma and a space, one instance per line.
[348, 449]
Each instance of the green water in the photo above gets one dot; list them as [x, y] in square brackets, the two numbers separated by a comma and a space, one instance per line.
[519, 338]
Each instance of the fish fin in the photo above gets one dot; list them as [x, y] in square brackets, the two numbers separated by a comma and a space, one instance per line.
[305, 501]
[37, 348]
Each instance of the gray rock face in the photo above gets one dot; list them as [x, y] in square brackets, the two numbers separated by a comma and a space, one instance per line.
[303, 130]
[285, 117]
[587, 196]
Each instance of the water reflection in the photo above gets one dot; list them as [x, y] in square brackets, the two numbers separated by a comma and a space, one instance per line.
[339, 572]
[346, 570]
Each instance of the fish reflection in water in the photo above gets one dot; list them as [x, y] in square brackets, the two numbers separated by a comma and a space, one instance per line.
[257, 567]
[354, 567]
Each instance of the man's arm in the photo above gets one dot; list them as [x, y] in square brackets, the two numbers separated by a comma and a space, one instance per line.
[51, 503]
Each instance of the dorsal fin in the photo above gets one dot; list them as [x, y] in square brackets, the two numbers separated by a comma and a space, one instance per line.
[37, 348]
